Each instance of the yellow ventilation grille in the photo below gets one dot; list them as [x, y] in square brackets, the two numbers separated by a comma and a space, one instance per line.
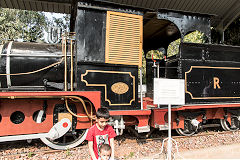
[124, 38]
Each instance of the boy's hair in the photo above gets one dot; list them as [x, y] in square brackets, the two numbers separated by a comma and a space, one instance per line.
[103, 113]
[105, 147]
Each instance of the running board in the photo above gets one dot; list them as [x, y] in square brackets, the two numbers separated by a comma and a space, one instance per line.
[58, 130]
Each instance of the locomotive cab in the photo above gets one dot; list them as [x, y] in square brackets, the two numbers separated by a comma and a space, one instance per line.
[164, 35]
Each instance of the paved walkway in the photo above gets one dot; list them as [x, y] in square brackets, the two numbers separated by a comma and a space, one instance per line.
[219, 152]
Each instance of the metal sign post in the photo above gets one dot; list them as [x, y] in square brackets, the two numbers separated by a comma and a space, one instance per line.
[170, 92]
[169, 150]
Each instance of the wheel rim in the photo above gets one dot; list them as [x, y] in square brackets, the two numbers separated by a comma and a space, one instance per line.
[66, 141]
[186, 131]
[226, 126]
[181, 132]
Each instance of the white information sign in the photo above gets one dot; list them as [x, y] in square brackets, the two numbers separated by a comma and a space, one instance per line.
[169, 91]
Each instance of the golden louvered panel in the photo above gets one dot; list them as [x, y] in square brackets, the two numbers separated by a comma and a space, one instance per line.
[123, 38]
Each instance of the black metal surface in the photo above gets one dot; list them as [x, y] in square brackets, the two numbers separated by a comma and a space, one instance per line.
[187, 22]
[90, 28]
[163, 27]
[17, 117]
[90, 31]
[158, 33]
[89, 4]
[210, 78]
[101, 77]
[210, 71]
[234, 112]
[61, 108]
[152, 73]
[28, 57]
[172, 67]
[3, 79]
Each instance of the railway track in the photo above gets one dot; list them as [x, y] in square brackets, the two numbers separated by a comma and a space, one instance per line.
[201, 134]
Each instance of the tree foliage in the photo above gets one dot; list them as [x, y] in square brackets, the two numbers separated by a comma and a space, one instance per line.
[21, 24]
[58, 27]
[28, 26]
[193, 37]
[173, 48]
[63, 23]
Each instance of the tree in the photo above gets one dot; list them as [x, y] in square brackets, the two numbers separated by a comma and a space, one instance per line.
[63, 23]
[21, 24]
[57, 27]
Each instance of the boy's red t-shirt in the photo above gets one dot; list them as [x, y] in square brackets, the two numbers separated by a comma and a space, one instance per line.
[100, 137]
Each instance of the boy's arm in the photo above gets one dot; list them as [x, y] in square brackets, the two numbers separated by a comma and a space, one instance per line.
[90, 146]
[112, 146]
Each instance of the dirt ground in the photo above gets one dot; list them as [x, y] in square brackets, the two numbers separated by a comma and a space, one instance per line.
[219, 152]
[214, 145]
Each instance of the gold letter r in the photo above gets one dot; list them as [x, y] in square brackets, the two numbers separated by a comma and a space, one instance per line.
[216, 83]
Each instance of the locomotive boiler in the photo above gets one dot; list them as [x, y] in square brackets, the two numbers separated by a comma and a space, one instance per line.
[20, 64]
[52, 92]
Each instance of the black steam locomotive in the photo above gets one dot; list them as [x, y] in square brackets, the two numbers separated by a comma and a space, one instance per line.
[100, 65]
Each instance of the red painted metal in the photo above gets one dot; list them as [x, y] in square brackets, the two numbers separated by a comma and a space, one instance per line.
[30, 102]
[149, 102]
[213, 111]
[65, 125]
[93, 96]
[130, 112]
[229, 118]
[180, 124]
[157, 117]
[207, 106]
[141, 115]
[142, 120]
[28, 107]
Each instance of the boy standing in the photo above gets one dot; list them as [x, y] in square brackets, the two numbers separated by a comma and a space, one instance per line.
[100, 133]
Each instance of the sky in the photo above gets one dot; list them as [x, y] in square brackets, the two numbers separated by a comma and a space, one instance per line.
[50, 15]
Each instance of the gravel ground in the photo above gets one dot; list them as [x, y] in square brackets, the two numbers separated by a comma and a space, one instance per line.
[126, 146]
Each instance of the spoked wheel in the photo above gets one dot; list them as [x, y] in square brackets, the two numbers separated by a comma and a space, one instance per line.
[67, 141]
[188, 130]
[227, 127]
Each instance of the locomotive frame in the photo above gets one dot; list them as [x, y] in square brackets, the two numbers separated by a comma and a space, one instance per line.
[99, 68]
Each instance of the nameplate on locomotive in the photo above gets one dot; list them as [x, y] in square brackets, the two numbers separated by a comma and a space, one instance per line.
[206, 82]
